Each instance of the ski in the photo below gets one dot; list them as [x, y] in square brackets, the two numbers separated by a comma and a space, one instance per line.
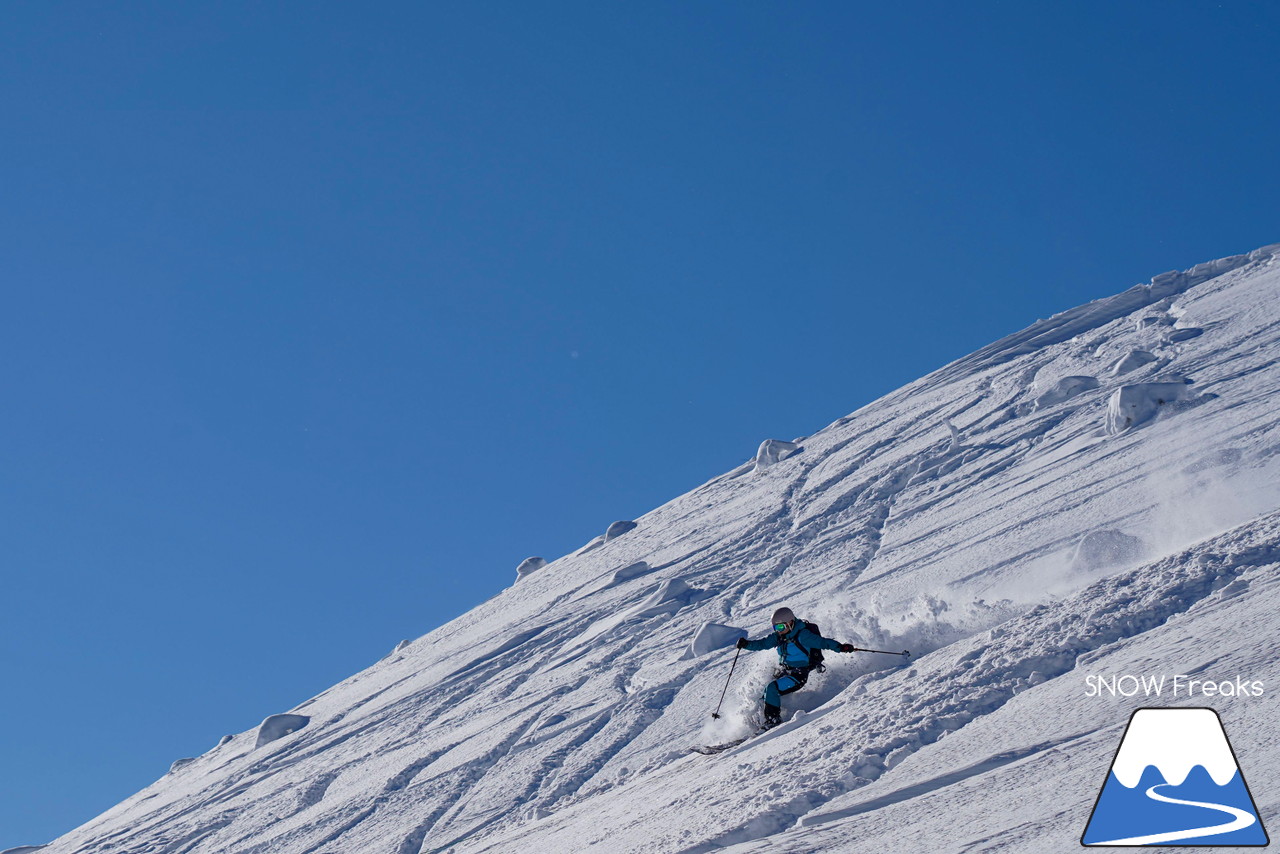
[798, 719]
[713, 749]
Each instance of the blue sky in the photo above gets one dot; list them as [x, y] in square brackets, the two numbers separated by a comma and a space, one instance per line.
[319, 318]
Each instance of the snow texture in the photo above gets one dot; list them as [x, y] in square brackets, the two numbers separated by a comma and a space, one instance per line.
[1019, 519]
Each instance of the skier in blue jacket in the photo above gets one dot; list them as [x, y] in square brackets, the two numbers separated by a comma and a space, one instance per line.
[793, 640]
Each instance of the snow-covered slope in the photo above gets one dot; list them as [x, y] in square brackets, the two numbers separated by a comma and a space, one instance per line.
[1094, 495]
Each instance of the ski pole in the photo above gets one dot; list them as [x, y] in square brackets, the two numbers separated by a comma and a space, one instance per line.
[905, 652]
[716, 713]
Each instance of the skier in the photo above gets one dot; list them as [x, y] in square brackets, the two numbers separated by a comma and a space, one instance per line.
[795, 642]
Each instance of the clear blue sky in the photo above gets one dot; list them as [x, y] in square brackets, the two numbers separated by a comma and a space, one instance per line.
[318, 318]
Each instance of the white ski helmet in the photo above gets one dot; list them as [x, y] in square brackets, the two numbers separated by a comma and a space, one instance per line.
[783, 615]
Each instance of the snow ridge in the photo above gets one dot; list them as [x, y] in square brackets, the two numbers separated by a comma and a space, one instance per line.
[1068, 324]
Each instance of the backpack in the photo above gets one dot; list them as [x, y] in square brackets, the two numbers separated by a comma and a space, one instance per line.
[815, 655]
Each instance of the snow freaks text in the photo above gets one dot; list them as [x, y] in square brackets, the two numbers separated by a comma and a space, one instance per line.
[1181, 685]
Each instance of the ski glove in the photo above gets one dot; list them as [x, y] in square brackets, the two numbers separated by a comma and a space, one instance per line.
[742, 643]
[846, 647]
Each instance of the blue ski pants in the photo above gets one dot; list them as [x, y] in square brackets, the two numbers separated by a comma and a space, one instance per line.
[788, 682]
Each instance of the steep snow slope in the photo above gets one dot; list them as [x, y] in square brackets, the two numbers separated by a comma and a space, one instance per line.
[1094, 494]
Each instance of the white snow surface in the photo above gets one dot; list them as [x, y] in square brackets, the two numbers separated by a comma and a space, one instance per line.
[946, 518]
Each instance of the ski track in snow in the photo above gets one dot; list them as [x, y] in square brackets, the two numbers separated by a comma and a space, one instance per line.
[939, 518]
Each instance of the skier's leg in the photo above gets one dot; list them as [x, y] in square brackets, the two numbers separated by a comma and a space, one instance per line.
[796, 680]
[784, 684]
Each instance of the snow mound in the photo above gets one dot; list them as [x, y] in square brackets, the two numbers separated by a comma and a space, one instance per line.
[713, 636]
[1132, 405]
[774, 451]
[1065, 389]
[278, 726]
[617, 529]
[1186, 333]
[670, 597]
[1154, 321]
[635, 570]
[179, 764]
[1106, 549]
[1131, 362]
[529, 566]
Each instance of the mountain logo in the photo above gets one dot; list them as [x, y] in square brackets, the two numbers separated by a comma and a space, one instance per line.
[1175, 781]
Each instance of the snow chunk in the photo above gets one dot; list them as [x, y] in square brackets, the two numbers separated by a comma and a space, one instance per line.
[1132, 405]
[1186, 333]
[670, 597]
[635, 570]
[617, 529]
[398, 649]
[773, 451]
[713, 636]
[278, 726]
[179, 764]
[1065, 389]
[1131, 362]
[1103, 549]
[529, 566]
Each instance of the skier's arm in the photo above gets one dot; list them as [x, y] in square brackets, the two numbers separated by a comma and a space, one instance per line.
[766, 642]
[820, 642]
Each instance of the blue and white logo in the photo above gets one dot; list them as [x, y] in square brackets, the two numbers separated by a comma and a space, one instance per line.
[1175, 781]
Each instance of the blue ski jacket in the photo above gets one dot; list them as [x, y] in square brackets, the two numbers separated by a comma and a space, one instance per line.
[793, 647]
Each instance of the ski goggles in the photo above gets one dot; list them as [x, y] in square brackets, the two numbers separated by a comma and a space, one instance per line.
[782, 628]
